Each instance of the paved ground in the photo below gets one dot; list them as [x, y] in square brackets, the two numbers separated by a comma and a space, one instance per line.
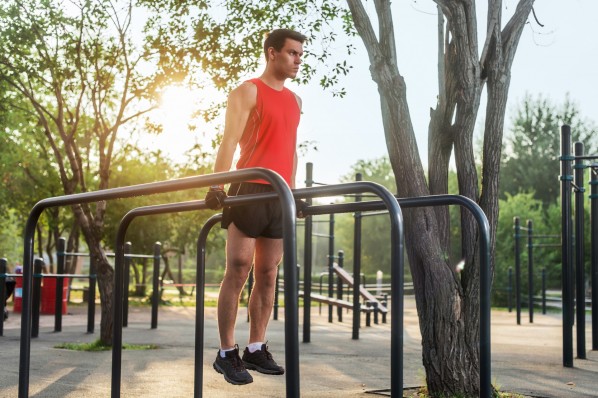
[525, 359]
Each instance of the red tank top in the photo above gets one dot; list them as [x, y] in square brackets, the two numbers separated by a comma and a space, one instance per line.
[270, 136]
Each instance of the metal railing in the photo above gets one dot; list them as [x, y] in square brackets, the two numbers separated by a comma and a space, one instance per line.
[289, 243]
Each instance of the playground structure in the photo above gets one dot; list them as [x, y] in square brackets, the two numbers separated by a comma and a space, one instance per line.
[291, 297]
[572, 246]
[573, 274]
[531, 237]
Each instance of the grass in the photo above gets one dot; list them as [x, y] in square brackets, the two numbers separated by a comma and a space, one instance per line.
[99, 346]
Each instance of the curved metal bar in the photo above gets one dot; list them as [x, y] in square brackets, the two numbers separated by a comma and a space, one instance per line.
[485, 274]
[278, 183]
[396, 258]
[199, 303]
[283, 192]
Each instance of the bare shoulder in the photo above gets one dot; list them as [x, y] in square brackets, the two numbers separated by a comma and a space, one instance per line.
[244, 95]
[299, 101]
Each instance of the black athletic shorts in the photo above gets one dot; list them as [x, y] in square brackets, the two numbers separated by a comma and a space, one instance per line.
[256, 220]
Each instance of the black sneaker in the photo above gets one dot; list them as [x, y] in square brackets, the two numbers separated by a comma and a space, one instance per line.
[262, 361]
[231, 367]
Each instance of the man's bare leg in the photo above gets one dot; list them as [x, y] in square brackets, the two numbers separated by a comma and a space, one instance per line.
[239, 258]
[268, 253]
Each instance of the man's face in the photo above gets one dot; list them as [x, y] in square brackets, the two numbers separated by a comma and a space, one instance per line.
[286, 62]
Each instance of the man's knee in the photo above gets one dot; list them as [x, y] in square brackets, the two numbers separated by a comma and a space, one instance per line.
[237, 270]
[266, 275]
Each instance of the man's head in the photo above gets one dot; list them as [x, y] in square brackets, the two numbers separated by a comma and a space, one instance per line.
[283, 49]
[277, 38]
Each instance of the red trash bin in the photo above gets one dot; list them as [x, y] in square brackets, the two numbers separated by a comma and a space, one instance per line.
[48, 303]
[17, 299]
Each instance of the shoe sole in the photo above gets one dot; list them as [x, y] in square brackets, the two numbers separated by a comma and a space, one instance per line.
[251, 366]
[231, 381]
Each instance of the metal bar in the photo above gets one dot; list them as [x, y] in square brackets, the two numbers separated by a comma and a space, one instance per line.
[289, 248]
[396, 256]
[127, 276]
[3, 275]
[356, 265]
[594, 245]
[307, 259]
[89, 197]
[509, 288]
[339, 286]
[199, 303]
[330, 264]
[37, 283]
[567, 245]
[156, 286]
[580, 274]
[91, 297]
[60, 263]
[585, 157]
[530, 271]
[517, 270]
[485, 271]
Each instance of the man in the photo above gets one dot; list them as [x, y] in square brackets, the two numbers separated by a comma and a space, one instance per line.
[262, 118]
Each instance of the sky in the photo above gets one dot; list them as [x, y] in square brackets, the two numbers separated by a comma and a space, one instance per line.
[557, 59]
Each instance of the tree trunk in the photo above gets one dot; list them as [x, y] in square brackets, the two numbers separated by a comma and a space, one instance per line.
[105, 274]
[447, 302]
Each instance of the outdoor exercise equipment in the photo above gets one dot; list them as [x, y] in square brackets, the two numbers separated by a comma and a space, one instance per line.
[288, 212]
[530, 267]
[569, 252]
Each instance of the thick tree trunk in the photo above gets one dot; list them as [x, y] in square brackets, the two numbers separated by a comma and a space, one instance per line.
[448, 303]
[91, 229]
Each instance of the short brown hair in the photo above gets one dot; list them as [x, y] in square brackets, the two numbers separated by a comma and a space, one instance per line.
[277, 37]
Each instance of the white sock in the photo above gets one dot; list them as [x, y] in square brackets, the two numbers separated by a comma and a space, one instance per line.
[223, 351]
[253, 347]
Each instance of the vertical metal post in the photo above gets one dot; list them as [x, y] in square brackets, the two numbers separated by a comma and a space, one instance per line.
[200, 304]
[544, 291]
[276, 295]
[3, 266]
[594, 236]
[307, 260]
[510, 288]
[339, 286]
[517, 270]
[35, 300]
[156, 285]
[567, 245]
[357, 266]
[91, 296]
[530, 271]
[330, 264]
[60, 261]
[126, 282]
[580, 273]
[250, 281]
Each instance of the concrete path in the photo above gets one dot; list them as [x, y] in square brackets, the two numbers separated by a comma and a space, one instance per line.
[526, 359]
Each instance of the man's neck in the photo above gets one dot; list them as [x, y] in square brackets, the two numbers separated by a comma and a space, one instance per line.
[272, 81]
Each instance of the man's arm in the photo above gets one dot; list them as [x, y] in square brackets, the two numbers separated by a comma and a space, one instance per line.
[295, 160]
[240, 103]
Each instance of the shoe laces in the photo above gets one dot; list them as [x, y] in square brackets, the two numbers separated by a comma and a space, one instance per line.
[267, 353]
[236, 361]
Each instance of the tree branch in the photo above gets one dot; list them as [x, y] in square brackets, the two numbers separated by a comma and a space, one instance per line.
[364, 28]
[493, 27]
[513, 29]
[386, 28]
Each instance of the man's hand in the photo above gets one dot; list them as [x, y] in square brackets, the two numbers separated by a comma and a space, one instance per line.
[215, 197]
[301, 207]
